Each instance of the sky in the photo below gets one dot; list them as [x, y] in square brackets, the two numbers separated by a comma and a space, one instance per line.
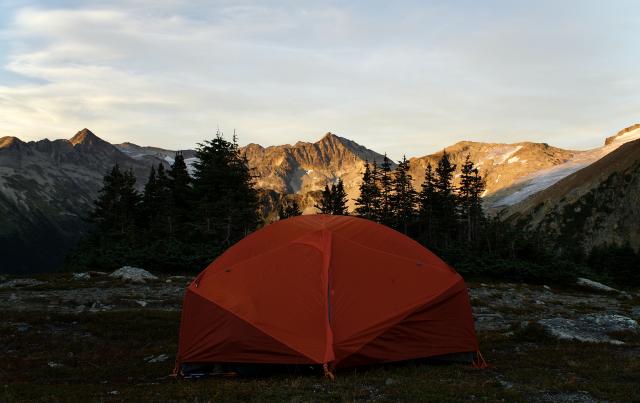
[402, 77]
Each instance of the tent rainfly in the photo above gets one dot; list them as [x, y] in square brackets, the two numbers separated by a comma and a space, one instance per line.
[335, 291]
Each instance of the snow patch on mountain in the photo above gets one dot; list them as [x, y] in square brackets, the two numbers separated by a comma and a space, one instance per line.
[505, 155]
[542, 179]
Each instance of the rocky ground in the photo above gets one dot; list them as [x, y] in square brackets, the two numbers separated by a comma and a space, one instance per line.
[100, 337]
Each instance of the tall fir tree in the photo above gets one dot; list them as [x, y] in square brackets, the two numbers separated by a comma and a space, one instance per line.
[385, 208]
[403, 200]
[165, 216]
[117, 206]
[478, 219]
[225, 199]
[469, 201]
[445, 205]
[339, 199]
[464, 198]
[369, 198]
[181, 195]
[426, 202]
[333, 200]
[325, 204]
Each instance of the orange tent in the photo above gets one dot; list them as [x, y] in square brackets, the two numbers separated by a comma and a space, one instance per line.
[334, 290]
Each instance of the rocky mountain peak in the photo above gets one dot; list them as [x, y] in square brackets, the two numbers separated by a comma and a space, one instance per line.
[86, 137]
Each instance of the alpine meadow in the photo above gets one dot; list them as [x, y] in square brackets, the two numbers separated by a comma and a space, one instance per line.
[319, 201]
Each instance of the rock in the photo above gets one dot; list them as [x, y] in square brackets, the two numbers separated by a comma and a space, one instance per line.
[81, 276]
[612, 322]
[159, 358]
[52, 364]
[635, 311]
[133, 274]
[141, 303]
[594, 285]
[21, 282]
[591, 328]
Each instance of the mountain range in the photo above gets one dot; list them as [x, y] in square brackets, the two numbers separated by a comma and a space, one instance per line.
[47, 187]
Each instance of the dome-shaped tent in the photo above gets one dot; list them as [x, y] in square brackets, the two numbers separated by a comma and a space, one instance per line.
[321, 289]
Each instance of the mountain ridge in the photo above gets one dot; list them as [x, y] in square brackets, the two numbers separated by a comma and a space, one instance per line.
[47, 186]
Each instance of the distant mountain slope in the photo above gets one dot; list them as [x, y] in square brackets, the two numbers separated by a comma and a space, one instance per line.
[595, 205]
[308, 167]
[500, 164]
[539, 180]
[153, 154]
[46, 188]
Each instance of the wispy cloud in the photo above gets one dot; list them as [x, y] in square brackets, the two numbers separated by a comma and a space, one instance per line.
[407, 78]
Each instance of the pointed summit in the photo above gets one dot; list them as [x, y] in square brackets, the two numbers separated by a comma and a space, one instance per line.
[86, 137]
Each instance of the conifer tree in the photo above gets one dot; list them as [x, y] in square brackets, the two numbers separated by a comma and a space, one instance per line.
[445, 200]
[470, 201]
[369, 198]
[333, 200]
[286, 209]
[225, 199]
[403, 200]
[164, 217]
[150, 197]
[116, 209]
[477, 214]
[179, 186]
[325, 204]
[339, 199]
[426, 201]
[465, 197]
[385, 211]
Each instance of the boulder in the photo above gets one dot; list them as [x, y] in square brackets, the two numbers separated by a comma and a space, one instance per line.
[591, 328]
[133, 274]
[81, 276]
[594, 285]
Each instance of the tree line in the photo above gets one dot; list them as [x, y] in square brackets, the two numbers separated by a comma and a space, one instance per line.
[439, 215]
[180, 221]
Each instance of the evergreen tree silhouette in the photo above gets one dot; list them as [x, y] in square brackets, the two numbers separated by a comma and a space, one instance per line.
[325, 204]
[385, 211]
[286, 209]
[445, 205]
[339, 199]
[225, 200]
[426, 202]
[403, 200]
[369, 198]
